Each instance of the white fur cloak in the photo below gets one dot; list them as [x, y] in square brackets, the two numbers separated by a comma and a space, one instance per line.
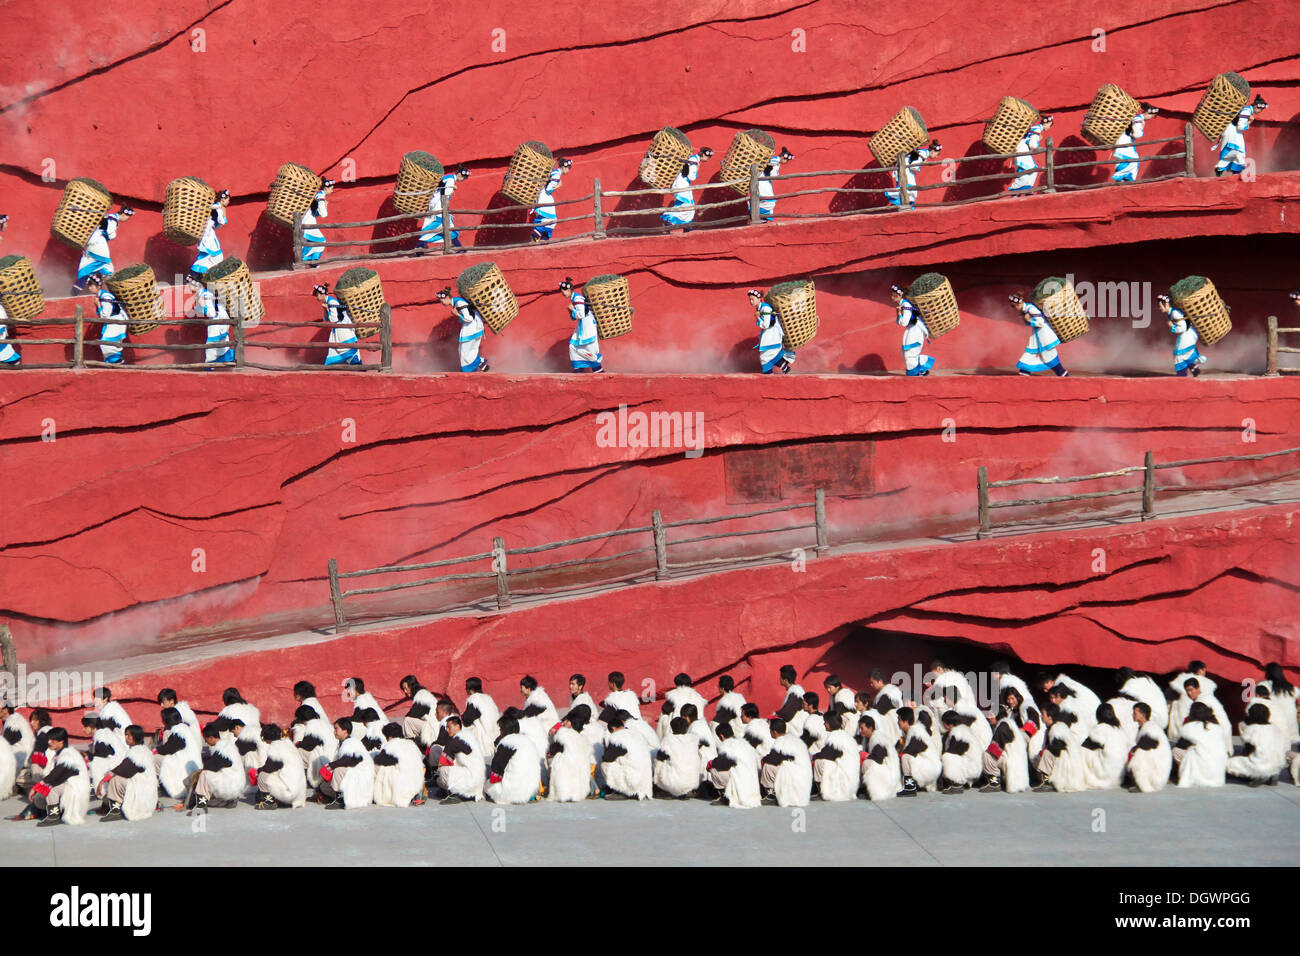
[881, 778]
[176, 768]
[75, 802]
[1205, 763]
[631, 774]
[397, 785]
[742, 791]
[677, 765]
[1267, 758]
[571, 767]
[289, 784]
[793, 784]
[839, 777]
[1150, 765]
[1104, 769]
[141, 798]
[523, 774]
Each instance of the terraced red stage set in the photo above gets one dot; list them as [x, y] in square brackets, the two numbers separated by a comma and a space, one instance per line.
[179, 526]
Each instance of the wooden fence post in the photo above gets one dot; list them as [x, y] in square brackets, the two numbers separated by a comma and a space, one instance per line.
[597, 212]
[819, 510]
[982, 484]
[297, 243]
[1149, 486]
[1189, 162]
[1050, 164]
[1271, 368]
[386, 337]
[79, 338]
[904, 196]
[661, 545]
[237, 327]
[754, 217]
[446, 226]
[336, 597]
[499, 566]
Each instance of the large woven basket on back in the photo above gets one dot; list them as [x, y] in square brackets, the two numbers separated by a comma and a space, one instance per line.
[902, 134]
[932, 294]
[362, 295]
[1109, 115]
[230, 281]
[83, 207]
[486, 289]
[1198, 298]
[137, 292]
[530, 167]
[292, 193]
[795, 304]
[1220, 104]
[417, 178]
[20, 293]
[187, 207]
[1008, 125]
[1061, 307]
[749, 147]
[611, 304]
[665, 158]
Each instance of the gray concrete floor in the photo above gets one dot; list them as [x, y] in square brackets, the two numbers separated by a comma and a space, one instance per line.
[1233, 826]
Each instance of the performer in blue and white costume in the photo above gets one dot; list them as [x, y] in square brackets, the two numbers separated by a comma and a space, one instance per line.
[1040, 353]
[767, 200]
[584, 343]
[431, 228]
[342, 335]
[112, 316]
[1232, 144]
[8, 354]
[1026, 162]
[544, 211]
[209, 250]
[206, 306]
[1125, 153]
[318, 209]
[914, 161]
[1187, 357]
[471, 331]
[773, 356]
[682, 211]
[914, 335]
[95, 258]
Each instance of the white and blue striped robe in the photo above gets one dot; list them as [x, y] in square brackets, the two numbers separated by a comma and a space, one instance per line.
[218, 338]
[1126, 152]
[95, 258]
[767, 200]
[317, 210]
[1026, 163]
[341, 333]
[209, 252]
[1040, 353]
[771, 338]
[682, 211]
[107, 308]
[8, 354]
[431, 228]
[1186, 354]
[471, 334]
[1232, 144]
[544, 214]
[915, 332]
[584, 344]
[894, 196]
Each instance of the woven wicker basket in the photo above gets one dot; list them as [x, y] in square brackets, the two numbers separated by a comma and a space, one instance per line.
[230, 281]
[749, 147]
[902, 134]
[611, 304]
[417, 178]
[932, 294]
[1109, 115]
[1061, 307]
[1208, 314]
[796, 306]
[82, 208]
[664, 160]
[187, 207]
[20, 293]
[1220, 104]
[292, 193]
[362, 295]
[1008, 125]
[487, 290]
[137, 292]
[530, 167]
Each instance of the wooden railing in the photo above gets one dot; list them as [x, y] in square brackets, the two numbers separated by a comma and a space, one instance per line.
[1147, 489]
[1274, 349]
[500, 555]
[604, 221]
